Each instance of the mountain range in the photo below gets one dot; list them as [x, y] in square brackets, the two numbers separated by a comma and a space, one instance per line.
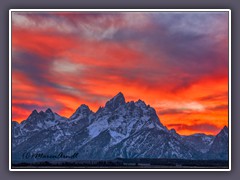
[120, 129]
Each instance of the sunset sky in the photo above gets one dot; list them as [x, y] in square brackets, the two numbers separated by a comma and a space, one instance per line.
[177, 62]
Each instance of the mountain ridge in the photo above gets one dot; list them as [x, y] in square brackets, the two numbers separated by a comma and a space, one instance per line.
[119, 130]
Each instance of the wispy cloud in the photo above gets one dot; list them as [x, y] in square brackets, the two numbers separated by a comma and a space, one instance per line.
[207, 128]
[176, 62]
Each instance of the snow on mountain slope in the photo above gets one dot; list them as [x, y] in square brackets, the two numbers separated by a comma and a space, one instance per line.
[219, 146]
[118, 130]
[199, 142]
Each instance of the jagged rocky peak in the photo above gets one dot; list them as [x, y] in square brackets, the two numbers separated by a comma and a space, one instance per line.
[34, 112]
[42, 115]
[199, 134]
[33, 115]
[83, 107]
[99, 109]
[173, 131]
[82, 111]
[15, 123]
[141, 103]
[116, 101]
[49, 114]
[224, 131]
[219, 147]
[49, 111]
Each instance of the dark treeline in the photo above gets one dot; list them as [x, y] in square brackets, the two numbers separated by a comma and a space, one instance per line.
[125, 163]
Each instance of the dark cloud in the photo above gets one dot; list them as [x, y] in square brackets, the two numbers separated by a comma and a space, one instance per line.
[130, 74]
[219, 107]
[185, 111]
[162, 53]
[189, 40]
[171, 111]
[196, 127]
[38, 70]
[215, 97]
[29, 107]
[34, 66]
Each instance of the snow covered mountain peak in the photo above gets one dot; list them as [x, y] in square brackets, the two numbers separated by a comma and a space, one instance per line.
[33, 114]
[219, 147]
[116, 101]
[141, 103]
[82, 111]
[49, 111]
[83, 108]
[173, 131]
[120, 129]
[223, 132]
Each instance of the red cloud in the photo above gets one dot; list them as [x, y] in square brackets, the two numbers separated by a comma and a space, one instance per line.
[52, 68]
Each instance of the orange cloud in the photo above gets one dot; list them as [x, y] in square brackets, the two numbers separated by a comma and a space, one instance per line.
[185, 82]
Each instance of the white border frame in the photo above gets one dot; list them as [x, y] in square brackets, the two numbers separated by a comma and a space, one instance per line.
[118, 10]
